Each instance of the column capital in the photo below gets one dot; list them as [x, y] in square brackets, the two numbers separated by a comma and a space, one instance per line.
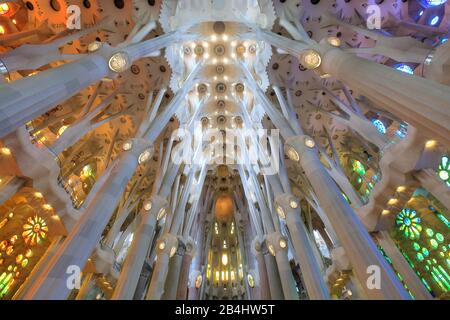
[142, 149]
[191, 248]
[297, 145]
[287, 206]
[258, 246]
[155, 206]
[276, 242]
[168, 244]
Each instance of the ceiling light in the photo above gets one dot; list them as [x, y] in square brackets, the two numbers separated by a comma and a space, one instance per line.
[144, 156]
[148, 206]
[310, 59]
[309, 142]
[119, 62]
[334, 41]
[292, 154]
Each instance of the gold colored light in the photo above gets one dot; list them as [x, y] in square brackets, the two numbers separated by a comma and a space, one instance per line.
[94, 46]
[310, 59]
[161, 214]
[2, 29]
[5, 151]
[309, 142]
[148, 206]
[38, 195]
[119, 62]
[292, 154]
[162, 245]
[173, 250]
[224, 259]
[334, 41]
[271, 249]
[293, 204]
[283, 243]
[401, 188]
[144, 156]
[430, 144]
[250, 280]
[281, 212]
[47, 206]
[385, 212]
[392, 201]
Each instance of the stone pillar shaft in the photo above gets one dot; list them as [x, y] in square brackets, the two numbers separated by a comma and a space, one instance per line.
[421, 102]
[184, 277]
[355, 239]
[85, 235]
[29, 97]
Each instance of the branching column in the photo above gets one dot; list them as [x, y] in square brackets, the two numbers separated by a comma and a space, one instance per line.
[131, 270]
[314, 282]
[355, 239]
[86, 234]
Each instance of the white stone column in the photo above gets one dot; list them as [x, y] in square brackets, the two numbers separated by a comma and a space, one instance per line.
[173, 275]
[29, 97]
[86, 234]
[421, 102]
[262, 270]
[357, 242]
[276, 290]
[183, 280]
[277, 246]
[166, 247]
[131, 269]
[288, 208]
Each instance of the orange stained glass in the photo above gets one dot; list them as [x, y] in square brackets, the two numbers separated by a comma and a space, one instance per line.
[4, 8]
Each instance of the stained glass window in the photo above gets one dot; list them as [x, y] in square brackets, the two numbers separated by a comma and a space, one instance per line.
[409, 223]
[35, 230]
[359, 168]
[444, 170]
[379, 125]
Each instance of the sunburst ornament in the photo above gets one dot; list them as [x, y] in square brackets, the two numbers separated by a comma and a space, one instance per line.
[409, 223]
[35, 230]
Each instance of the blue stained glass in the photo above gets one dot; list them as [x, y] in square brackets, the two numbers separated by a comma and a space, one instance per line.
[404, 68]
[379, 125]
[434, 21]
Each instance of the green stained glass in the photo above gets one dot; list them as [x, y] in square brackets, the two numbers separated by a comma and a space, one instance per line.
[434, 244]
[429, 232]
[444, 169]
[359, 168]
[444, 248]
[426, 284]
[439, 237]
[427, 268]
[409, 223]
[425, 252]
[419, 256]
[416, 246]
[448, 262]
[440, 216]
[442, 254]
